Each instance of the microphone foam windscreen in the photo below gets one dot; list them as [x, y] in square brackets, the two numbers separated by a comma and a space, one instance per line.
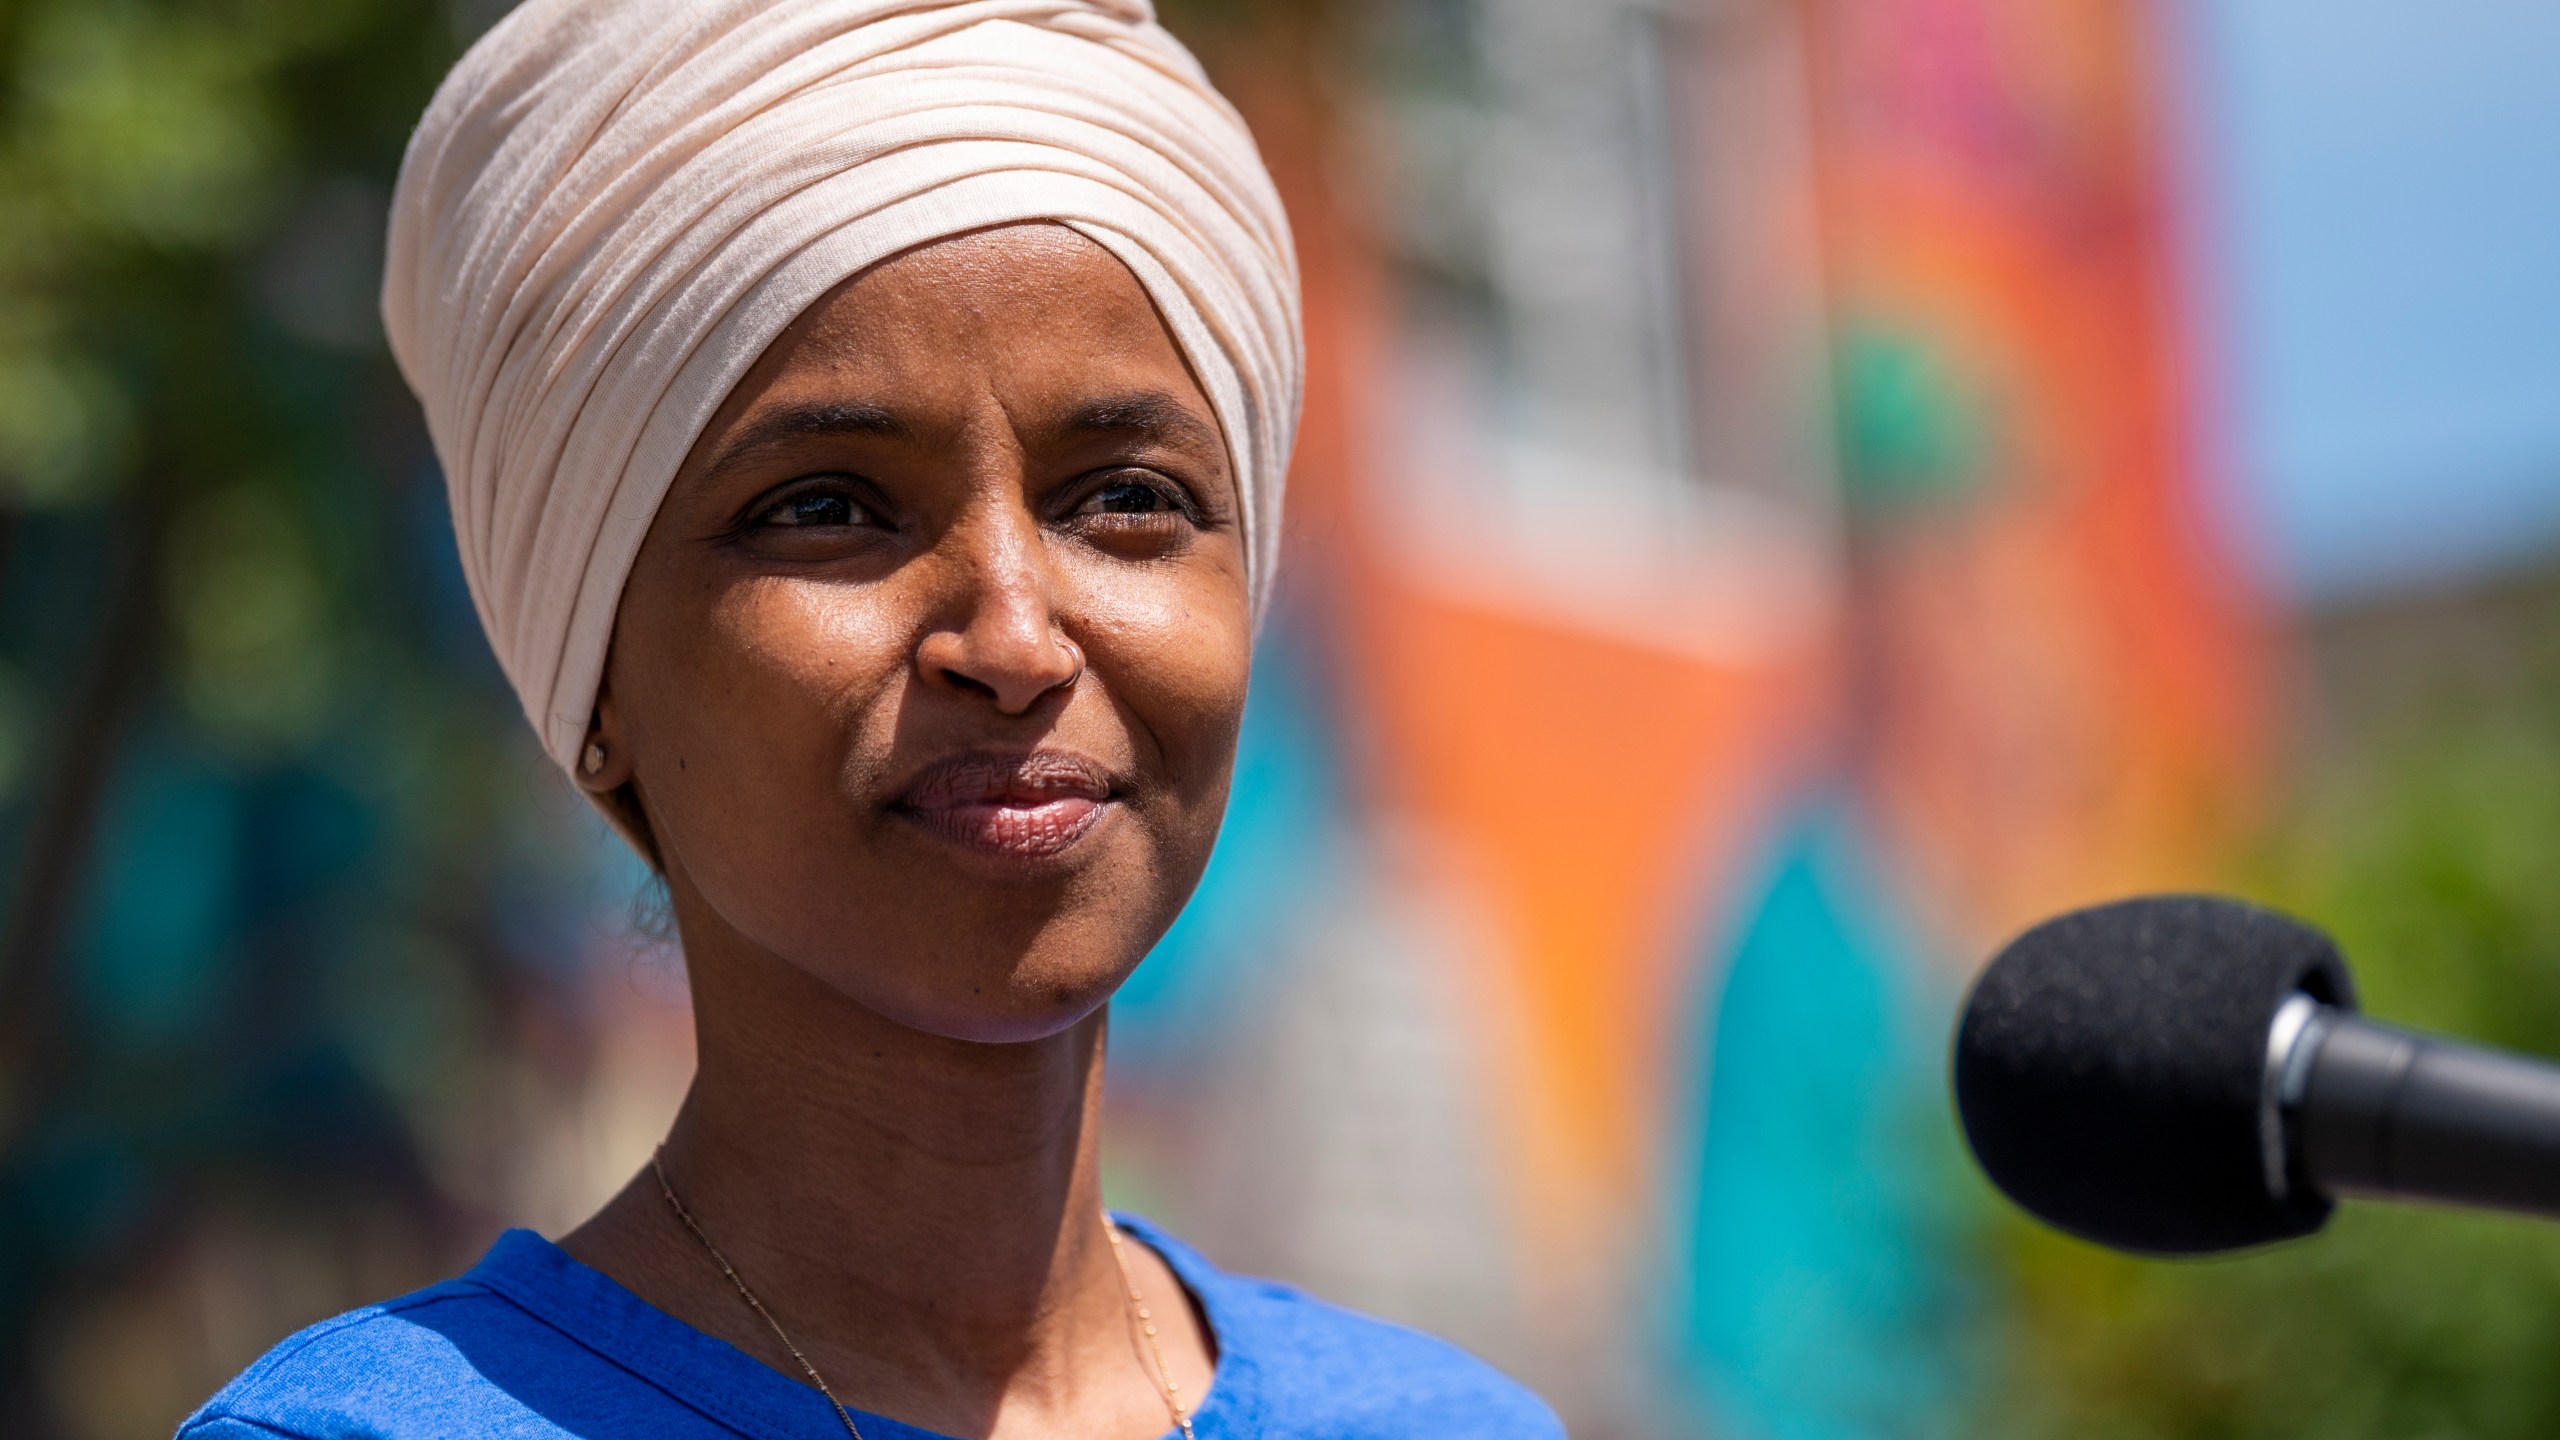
[2110, 1066]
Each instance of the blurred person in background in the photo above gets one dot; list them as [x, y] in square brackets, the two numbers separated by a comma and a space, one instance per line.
[864, 425]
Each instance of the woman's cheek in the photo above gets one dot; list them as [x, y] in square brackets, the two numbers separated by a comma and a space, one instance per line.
[1185, 630]
[767, 695]
[807, 634]
[1185, 686]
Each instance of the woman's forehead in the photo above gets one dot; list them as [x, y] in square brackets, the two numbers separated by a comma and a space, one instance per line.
[1026, 295]
[990, 274]
[1039, 316]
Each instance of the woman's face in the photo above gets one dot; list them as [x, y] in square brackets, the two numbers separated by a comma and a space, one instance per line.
[927, 678]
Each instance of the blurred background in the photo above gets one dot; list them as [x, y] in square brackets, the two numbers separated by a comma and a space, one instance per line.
[1793, 490]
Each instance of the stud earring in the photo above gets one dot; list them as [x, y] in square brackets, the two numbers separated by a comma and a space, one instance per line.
[593, 761]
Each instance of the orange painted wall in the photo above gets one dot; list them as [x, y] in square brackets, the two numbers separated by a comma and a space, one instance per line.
[2068, 677]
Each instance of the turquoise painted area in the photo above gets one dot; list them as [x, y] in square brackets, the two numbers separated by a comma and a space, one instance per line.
[1271, 870]
[164, 901]
[1822, 1282]
[1912, 430]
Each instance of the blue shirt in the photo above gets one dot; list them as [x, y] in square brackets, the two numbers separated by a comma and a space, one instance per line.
[532, 1345]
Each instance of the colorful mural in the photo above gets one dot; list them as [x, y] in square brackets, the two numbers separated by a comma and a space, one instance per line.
[1700, 833]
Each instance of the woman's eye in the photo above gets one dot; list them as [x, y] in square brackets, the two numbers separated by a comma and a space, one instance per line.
[817, 509]
[1130, 498]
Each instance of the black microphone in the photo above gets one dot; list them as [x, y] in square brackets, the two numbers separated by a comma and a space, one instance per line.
[2185, 1074]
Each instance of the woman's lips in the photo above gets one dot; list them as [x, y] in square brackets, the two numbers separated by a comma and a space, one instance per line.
[1024, 807]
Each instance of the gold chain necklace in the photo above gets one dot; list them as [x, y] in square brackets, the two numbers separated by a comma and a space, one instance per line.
[1147, 1327]
[1138, 1311]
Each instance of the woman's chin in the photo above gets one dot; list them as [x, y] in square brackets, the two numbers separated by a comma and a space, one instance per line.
[1029, 1019]
[996, 1006]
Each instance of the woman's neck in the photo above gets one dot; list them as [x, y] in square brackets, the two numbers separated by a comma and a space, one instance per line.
[921, 1214]
[848, 1148]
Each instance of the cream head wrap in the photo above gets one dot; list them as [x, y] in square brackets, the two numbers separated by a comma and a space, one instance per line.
[613, 206]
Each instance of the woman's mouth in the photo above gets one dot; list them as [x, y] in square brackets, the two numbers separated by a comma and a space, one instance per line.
[1014, 806]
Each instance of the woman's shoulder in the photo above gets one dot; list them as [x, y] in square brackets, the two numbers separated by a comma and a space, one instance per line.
[527, 1346]
[1320, 1369]
[396, 1369]
[1332, 1371]
[517, 1349]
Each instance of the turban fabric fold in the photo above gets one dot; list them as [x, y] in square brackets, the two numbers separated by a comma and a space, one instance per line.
[612, 207]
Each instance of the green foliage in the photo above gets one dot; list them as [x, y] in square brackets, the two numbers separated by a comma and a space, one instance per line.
[2427, 845]
[191, 200]
[2395, 1324]
[142, 146]
[273, 897]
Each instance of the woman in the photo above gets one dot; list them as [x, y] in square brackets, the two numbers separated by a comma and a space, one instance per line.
[865, 422]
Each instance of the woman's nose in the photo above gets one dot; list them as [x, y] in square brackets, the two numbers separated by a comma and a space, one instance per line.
[999, 635]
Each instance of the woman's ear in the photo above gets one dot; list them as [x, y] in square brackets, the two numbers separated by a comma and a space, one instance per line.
[604, 759]
[604, 770]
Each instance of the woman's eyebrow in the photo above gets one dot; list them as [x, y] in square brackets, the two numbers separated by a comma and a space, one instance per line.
[801, 422]
[1147, 414]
